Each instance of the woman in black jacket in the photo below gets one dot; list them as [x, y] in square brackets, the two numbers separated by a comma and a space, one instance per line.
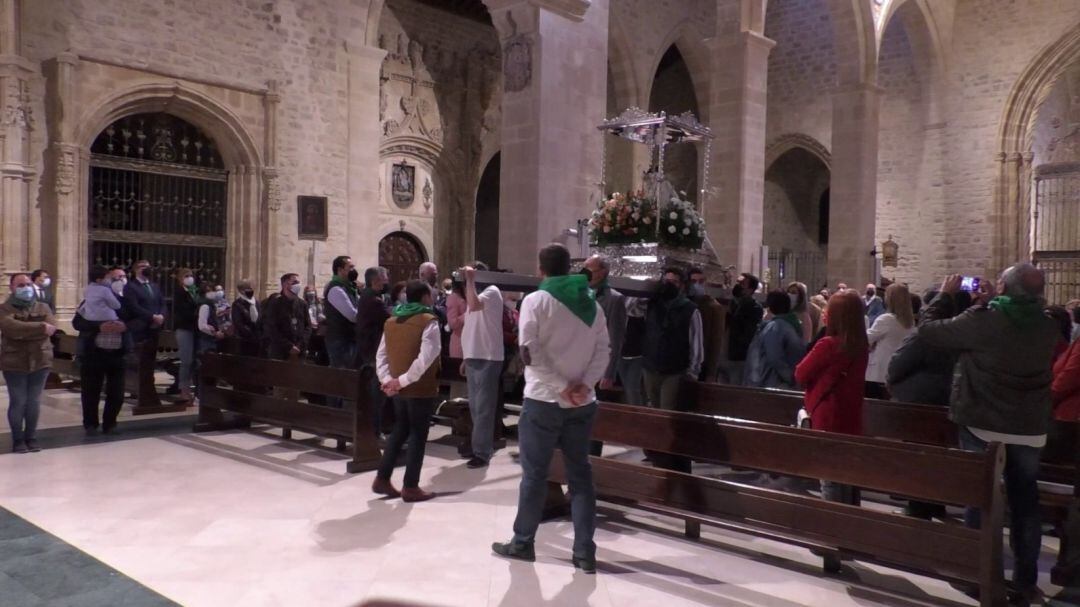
[245, 318]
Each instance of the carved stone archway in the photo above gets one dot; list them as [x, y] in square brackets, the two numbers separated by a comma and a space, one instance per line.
[252, 187]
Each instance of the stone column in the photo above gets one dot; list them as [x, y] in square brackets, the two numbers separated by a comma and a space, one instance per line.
[554, 56]
[19, 244]
[66, 257]
[853, 196]
[271, 186]
[365, 63]
[734, 212]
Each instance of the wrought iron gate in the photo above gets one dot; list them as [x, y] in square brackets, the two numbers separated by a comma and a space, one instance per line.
[807, 267]
[158, 191]
[1056, 221]
[401, 254]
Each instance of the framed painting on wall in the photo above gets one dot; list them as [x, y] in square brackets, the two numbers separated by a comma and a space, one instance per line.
[311, 217]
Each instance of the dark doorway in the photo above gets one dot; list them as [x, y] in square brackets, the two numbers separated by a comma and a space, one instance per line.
[823, 218]
[673, 92]
[487, 214]
[401, 254]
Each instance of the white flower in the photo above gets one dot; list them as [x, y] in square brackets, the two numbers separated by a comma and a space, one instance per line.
[671, 229]
[686, 231]
[687, 220]
[673, 215]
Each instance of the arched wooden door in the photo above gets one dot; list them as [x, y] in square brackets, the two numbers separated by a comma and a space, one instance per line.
[401, 254]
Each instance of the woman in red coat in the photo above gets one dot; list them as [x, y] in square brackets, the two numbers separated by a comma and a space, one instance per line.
[1066, 387]
[833, 374]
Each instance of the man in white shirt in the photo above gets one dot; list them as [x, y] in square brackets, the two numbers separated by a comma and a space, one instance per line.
[564, 341]
[482, 347]
[407, 364]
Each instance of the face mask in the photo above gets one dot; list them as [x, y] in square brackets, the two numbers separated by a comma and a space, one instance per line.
[794, 297]
[145, 273]
[118, 285]
[249, 294]
[587, 273]
[189, 281]
[401, 298]
[697, 289]
[212, 295]
[737, 291]
[353, 275]
[25, 293]
[45, 283]
[220, 294]
[296, 289]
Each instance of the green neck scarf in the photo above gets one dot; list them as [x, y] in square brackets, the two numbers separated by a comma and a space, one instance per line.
[406, 310]
[793, 320]
[20, 304]
[1022, 311]
[194, 292]
[350, 287]
[573, 292]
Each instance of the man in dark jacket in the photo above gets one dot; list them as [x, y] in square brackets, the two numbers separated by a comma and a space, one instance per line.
[371, 315]
[672, 350]
[245, 320]
[144, 309]
[1002, 392]
[746, 315]
[285, 322]
[919, 373]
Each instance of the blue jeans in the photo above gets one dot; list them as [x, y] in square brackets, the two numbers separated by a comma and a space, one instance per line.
[483, 377]
[342, 355]
[185, 344]
[542, 427]
[1022, 491]
[24, 406]
[630, 371]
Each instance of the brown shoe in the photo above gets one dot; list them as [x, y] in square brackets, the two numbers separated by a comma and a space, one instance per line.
[383, 486]
[415, 494]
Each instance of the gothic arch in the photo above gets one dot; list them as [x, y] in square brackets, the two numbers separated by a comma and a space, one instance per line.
[788, 141]
[235, 143]
[698, 62]
[410, 227]
[1012, 190]
[855, 40]
[251, 201]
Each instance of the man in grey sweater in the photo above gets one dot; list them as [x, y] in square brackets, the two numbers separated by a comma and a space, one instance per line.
[1001, 392]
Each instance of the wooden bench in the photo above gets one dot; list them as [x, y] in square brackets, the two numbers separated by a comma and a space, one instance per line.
[268, 391]
[922, 472]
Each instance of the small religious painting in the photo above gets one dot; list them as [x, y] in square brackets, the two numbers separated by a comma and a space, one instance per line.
[403, 184]
[311, 213]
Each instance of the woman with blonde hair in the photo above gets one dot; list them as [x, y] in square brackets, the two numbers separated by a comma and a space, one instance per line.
[886, 336]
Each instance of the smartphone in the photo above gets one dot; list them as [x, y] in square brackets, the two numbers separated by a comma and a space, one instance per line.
[970, 284]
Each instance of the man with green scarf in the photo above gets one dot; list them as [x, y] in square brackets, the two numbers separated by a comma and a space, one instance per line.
[564, 344]
[343, 298]
[597, 269]
[1001, 391]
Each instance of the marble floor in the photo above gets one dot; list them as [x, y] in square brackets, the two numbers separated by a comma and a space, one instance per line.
[247, 519]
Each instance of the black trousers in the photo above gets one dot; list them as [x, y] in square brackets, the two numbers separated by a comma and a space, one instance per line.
[413, 419]
[102, 369]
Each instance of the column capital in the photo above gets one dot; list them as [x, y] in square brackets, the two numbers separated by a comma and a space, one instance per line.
[67, 57]
[751, 38]
[365, 53]
[573, 10]
[18, 62]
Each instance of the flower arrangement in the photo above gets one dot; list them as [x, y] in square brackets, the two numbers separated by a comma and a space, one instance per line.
[623, 219]
[681, 225]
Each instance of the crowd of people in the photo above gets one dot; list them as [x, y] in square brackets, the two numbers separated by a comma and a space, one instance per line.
[1004, 362]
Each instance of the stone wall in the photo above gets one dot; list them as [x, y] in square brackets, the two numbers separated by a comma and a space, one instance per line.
[993, 42]
[793, 188]
[802, 69]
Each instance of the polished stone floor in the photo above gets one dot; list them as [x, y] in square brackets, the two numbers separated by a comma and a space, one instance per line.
[247, 519]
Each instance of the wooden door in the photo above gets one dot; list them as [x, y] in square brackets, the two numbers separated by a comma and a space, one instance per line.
[401, 254]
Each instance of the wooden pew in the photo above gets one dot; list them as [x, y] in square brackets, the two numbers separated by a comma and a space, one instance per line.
[919, 471]
[268, 391]
[139, 379]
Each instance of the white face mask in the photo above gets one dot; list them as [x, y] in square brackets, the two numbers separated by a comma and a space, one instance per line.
[297, 289]
[118, 285]
[45, 283]
[189, 281]
[794, 297]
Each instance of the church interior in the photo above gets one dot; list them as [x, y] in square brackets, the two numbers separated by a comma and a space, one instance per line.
[819, 142]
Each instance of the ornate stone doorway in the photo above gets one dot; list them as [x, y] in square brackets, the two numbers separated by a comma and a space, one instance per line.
[158, 190]
[401, 254]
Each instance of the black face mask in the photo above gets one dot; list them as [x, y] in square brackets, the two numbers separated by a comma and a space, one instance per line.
[353, 275]
[249, 294]
[587, 273]
[668, 291]
[737, 291]
[145, 272]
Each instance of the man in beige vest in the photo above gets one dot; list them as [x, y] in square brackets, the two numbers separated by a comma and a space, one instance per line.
[408, 367]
